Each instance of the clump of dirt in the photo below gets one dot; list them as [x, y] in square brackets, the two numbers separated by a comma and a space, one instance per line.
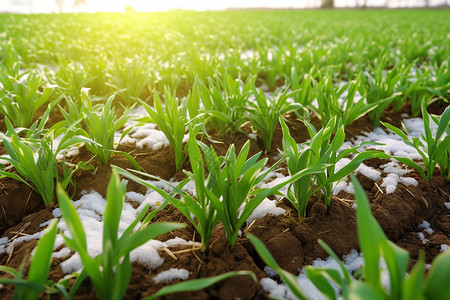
[17, 200]
[159, 163]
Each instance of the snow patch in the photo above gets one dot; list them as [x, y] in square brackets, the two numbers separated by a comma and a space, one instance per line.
[425, 226]
[422, 238]
[266, 207]
[64, 252]
[171, 274]
[352, 262]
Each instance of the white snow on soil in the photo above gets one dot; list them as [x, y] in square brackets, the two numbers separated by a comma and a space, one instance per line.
[392, 173]
[393, 144]
[266, 207]
[426, 229]
[171, 275]
[352, 262]
[425, 226]
[146, 135]
[90, 209]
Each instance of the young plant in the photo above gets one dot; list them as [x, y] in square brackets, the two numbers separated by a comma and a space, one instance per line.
[227, 194]
[10, 64]
[37, 277]
[307, 94]
[374, 246]
[172, 120]
[323, 148]
[21, 98]
[128, 78]
[264, 113]
[230, 184]
[340, 102]
[101, 124]
[431, 83]
[110, 272]
[35, 157]
[434, 150]
[381, 86]
[71, 78]
[199, 210]
[224, 102]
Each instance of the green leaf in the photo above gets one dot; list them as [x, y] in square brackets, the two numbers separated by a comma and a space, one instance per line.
[71, 217]
[42, 259]
[370, 236]
[363, 291]
[143, 235]
[397, 260]
[319, 279]
[289, 279]
[436, 285]
[412, 288]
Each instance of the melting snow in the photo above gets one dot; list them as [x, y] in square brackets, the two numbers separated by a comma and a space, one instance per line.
[171, 274]
[90, 209]
[266, 207]
[352, 262]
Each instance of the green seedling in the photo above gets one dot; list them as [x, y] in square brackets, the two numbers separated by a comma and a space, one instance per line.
[110, 271]
[434, 149]
[374, 246]
[172, 119]
[21, 98]
[35, 158]
[323, 148]
[221, 194]
[101, 124]
[264, 113]
[37, 277]
[224, 102]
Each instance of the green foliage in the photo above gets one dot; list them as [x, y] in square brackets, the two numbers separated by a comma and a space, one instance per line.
[128, 78]
[34, 157]
[172, 119]
[101, 124]
[382, 85]
[220, 195]
[230, 183]
[433, 148]
[264, 113]
[305, 85]
[374, 246]
[224, 102]
[431, 83]
[322, 149]
[20, 98]
[110, 271]
[340, 102]
[37, 279]
[71, 78]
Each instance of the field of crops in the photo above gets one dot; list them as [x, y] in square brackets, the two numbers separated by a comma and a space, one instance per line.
[225, 155]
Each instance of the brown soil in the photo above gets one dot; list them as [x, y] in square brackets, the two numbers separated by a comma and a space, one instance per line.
[293, 242]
